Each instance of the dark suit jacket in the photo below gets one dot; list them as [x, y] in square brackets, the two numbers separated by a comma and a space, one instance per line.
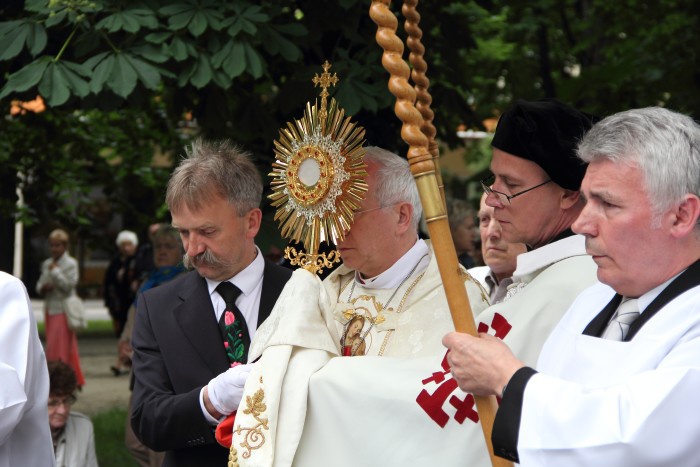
[178, 349]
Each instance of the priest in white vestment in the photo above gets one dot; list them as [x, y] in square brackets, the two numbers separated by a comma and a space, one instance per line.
[534, 193]
[307, 401]
[535, 196]
[617, 380]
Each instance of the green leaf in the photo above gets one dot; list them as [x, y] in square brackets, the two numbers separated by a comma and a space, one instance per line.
[198, 24]
[131, 22]
[102, 72]
[202, 74]
[53, 20]
[178, 49]
[171, 10]
[278, 44]
[71, 74]
[78, 68]
[148, 74]
[220, 55]
[123, 78]
[53, 86]
[7, 27]
[92, 62]
[158, 37]
[150, 52]
[112, 23]
[221, 79]
[36, 40]
[25, 78]
[180, 21]
[13, 42]
[254, 61]
[185, 74]
[234, 65]
[254, 14]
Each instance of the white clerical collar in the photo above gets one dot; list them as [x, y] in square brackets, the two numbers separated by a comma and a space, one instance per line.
[248, 278]
[417, 257]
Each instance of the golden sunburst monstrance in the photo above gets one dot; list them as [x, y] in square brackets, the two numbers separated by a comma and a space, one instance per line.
[318, 178]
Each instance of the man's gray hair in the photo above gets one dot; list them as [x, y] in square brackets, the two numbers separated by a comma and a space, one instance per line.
[215, 168]
[395, 183]
[664, 144]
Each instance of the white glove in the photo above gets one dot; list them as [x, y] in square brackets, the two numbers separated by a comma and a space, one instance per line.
[226, 390]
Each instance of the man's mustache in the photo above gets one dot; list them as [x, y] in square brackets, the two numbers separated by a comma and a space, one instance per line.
[206, 258]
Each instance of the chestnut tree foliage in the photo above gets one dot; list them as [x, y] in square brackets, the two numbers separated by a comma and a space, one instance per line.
[124, 79]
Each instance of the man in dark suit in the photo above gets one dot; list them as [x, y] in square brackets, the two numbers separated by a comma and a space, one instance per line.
[187, 378]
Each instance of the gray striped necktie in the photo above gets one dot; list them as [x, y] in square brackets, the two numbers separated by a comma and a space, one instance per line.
[619, 326]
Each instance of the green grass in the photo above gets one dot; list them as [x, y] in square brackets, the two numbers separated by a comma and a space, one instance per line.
[109, 439]
[99, 328]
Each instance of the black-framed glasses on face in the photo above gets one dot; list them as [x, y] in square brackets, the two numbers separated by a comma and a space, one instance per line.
[504, 198]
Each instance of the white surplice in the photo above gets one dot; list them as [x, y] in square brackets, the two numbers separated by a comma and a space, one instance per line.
[600, 402]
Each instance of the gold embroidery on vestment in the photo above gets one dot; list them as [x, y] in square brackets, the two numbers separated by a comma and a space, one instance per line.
[399, 310]
[254, 438]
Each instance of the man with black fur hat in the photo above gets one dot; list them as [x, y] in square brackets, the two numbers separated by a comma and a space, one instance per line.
[534, 191]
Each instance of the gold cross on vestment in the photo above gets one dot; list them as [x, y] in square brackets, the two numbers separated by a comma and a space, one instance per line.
[325, 81]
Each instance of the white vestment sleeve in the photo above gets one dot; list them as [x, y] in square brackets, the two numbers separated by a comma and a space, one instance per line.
[14, 365]
[25, 438]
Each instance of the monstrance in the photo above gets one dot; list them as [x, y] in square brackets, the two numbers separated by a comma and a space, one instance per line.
[318, 178]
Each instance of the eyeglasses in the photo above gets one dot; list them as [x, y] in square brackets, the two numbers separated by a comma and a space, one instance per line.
[502, 197]
[66, 402]
[370, 210]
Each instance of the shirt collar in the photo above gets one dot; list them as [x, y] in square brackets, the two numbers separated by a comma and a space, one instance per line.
[417, 256]
[248, 278]
[645, 300]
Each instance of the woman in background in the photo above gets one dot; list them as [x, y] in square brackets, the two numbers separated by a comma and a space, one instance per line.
[59, 277]
[72, 432]
[120, 284]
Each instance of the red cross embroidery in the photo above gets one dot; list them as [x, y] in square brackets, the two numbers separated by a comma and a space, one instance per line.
[499, 324]
[433, 403]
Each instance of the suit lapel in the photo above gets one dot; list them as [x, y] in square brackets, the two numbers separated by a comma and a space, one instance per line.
[274, 279]
[197, 321]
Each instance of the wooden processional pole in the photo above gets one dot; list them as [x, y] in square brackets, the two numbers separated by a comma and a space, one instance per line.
[413, 132]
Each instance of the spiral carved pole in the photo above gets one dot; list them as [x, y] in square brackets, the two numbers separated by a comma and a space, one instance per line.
[424, 172]
[422, 83]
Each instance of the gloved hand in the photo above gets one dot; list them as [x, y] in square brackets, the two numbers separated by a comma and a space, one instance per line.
[226, 390]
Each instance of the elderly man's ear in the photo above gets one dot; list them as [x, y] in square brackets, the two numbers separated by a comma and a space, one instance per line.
[405, 212]
[684, 217]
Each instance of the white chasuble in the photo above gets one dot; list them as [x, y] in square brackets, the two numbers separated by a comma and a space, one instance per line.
[301, 368]
[602, 402]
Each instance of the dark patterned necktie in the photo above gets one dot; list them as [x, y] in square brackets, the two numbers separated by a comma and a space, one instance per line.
[233, 325]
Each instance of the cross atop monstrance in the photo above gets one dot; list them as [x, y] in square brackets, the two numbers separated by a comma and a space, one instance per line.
[325, 81]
